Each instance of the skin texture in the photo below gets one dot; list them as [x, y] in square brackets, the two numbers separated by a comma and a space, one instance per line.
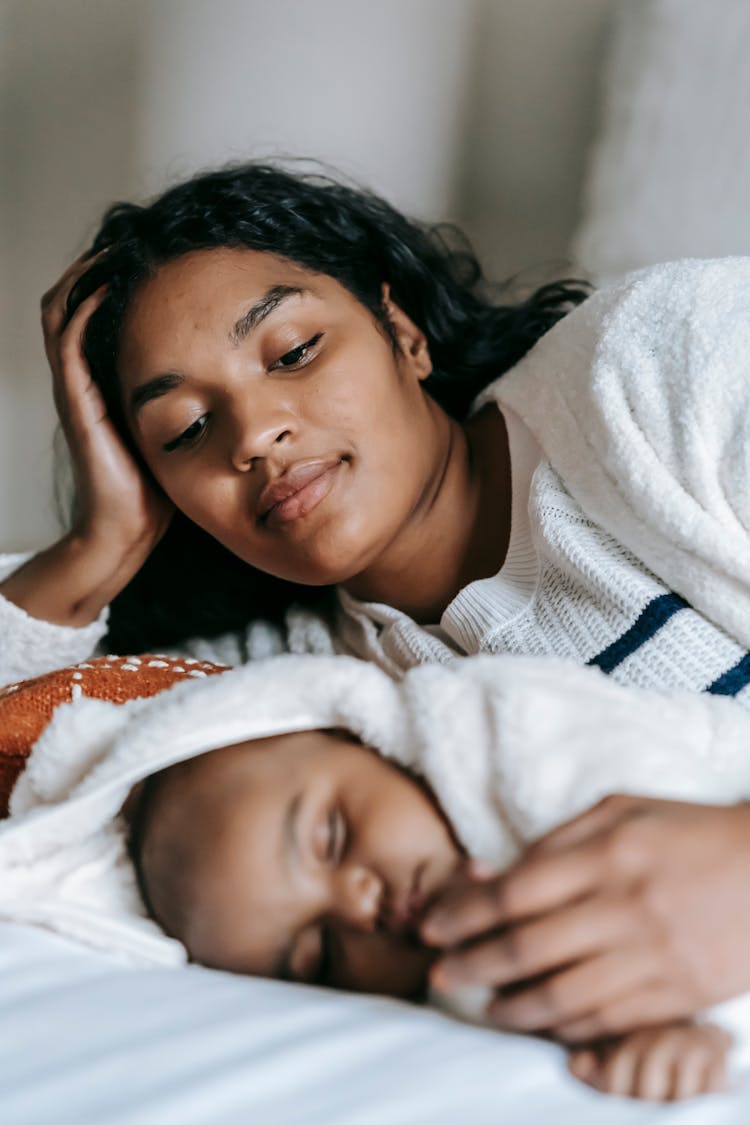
[634, 913]
[239, 883]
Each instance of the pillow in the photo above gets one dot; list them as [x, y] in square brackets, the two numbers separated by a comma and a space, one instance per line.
[27, 707]
[669, 175]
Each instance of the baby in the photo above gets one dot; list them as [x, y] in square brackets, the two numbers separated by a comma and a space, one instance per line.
[309, 858]
[269, 837]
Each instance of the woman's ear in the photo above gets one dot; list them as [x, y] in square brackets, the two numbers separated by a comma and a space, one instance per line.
[411, 340]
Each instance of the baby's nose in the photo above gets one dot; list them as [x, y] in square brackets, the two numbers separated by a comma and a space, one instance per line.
[360, 895]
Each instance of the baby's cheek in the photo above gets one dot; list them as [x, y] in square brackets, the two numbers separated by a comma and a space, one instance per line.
[382, 964]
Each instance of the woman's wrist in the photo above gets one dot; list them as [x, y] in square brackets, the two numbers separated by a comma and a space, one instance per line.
[71, 582]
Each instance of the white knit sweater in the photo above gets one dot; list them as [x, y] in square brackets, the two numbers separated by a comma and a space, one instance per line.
[629, 429]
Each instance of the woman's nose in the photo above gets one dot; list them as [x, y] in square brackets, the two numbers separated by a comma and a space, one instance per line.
[256, 428]
[359, 896]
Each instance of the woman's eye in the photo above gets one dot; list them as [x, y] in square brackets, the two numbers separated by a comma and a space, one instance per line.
[296, 355]
[188, 437]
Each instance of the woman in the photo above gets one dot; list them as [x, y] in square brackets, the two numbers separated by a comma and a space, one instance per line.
[287, 365]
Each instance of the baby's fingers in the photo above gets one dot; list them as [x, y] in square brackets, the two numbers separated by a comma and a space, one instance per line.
[661, 1064]
[717, 1075]
[614, 1070]
[701, 1065]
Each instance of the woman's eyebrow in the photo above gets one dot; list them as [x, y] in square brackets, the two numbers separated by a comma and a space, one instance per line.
[255, 315]
[258, 312]
[154, 388]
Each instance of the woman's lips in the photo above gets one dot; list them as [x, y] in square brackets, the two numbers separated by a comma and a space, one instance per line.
[297, 493]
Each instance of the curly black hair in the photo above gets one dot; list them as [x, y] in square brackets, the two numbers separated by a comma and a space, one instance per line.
[191, 585]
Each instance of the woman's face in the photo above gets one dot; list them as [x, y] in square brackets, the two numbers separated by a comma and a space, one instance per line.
[303, 856]
[275, 413]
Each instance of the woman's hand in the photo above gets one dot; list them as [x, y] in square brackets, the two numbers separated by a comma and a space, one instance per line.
[119, 517]
[116, 505]
[635, 913]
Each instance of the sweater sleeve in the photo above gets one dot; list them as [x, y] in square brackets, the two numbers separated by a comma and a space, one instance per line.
[640, 399]
[30, 647]
[302, 632]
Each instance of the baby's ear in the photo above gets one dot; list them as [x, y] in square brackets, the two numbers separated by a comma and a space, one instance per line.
[411, 340]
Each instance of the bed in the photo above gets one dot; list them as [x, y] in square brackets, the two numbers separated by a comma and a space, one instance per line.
[85, 1040]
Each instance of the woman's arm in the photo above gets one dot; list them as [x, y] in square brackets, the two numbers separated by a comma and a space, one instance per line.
[120, 518]
[30, 646]
[71, 582]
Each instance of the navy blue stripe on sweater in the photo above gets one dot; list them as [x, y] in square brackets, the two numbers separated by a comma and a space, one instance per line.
[650, 620]
[733, 680]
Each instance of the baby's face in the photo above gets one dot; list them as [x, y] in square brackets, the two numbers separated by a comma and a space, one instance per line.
[309, 858]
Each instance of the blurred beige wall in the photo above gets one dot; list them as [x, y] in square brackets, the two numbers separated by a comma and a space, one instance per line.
[66, 127]
[477, 110]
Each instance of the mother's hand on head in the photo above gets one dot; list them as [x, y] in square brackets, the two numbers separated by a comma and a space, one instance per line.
[119, 517]
[636, 912]
[114, 501]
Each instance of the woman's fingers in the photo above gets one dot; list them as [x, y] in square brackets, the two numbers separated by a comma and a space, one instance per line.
[54, 303]
[642, 1006]
[534, 948]
[116, 505]
[77, 398]
[573, 993]
[538, 884]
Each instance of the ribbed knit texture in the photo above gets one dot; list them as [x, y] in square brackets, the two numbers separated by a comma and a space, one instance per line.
[566, 589]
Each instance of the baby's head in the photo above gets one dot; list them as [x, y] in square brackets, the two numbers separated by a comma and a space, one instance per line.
[302, 856]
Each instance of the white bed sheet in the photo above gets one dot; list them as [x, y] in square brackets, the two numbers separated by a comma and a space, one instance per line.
[86, 1042]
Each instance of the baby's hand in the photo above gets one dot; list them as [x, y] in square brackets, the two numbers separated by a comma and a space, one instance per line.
[661, 1064]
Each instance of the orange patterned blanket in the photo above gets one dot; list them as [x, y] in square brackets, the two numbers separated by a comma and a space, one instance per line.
[27, 707]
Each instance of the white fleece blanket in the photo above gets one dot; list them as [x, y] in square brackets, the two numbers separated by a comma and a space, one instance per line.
[502, 741]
